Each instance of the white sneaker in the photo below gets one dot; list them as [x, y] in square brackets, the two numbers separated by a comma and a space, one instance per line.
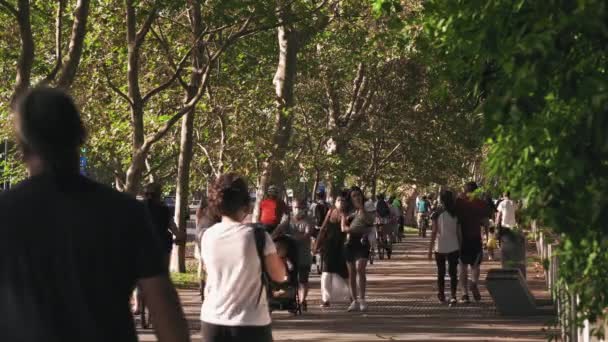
[353, 306]
[363, 306]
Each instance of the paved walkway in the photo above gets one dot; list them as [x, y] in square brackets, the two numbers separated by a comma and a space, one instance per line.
[402, 307]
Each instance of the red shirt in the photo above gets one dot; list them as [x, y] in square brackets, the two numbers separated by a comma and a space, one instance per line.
[471, 213]
[271, 211]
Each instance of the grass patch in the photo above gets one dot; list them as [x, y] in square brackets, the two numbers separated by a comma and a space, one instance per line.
[411, 230]
[185, 280]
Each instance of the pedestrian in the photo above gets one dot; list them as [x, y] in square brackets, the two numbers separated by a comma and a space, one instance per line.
[505, 215]
[204, 220]
[162, 219]
[445, 244]
[330, 244]
[471, 212]
[356, 223]
[165, 228]
[236, 305]
[68, 271]
[423, 209]
[492, 244]
[300, 228]
[272, 209]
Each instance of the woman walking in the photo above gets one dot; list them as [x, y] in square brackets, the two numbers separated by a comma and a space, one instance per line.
[445, 243]
[235, 306]
[330, 243]
[356, 223]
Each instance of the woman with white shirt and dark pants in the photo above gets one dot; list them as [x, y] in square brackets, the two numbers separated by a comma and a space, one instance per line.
[445, 243]
[235, 306]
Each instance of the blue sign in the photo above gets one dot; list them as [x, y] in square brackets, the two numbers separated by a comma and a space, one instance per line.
[83, 165]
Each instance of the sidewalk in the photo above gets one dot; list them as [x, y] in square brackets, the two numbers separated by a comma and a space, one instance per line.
[402, 307]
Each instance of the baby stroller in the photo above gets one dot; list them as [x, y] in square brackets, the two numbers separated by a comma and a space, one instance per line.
[285, 296]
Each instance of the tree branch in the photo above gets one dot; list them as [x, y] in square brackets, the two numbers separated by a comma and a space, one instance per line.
[209, 160]
[9, 8]
[114, 87]
[170, 81]
[140, 36]
[165, 46]
[58, 50]
[69, 68]
[26, 56]
[159, 165]
[201, 90]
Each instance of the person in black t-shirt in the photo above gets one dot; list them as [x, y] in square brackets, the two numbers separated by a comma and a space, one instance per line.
[161, 217]
[72, 250]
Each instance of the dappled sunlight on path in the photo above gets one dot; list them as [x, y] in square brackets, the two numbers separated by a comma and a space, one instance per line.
[402, 307]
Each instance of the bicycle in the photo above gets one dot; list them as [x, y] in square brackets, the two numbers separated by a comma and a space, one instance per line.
[385, 243]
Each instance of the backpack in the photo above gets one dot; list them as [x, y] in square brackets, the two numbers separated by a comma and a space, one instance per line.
[382, 209]
[259, 234]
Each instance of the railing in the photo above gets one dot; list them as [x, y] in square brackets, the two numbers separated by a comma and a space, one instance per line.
[564, 299]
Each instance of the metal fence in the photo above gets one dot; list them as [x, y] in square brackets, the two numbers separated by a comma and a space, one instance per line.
[564, 299]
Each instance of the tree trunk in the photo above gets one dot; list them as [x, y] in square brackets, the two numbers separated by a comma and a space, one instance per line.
[284, 81]
[26, 56]
[182, 210]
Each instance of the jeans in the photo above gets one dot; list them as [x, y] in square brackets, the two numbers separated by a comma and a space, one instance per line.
[452, 260]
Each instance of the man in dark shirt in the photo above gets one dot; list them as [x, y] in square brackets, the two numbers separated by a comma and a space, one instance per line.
[471, 213]
[72, 250]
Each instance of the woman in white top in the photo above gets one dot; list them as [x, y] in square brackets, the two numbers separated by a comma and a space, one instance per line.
[445, 243]
[235, 306]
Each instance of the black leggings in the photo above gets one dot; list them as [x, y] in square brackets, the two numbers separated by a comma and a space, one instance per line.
[221, 333]
[452, 259]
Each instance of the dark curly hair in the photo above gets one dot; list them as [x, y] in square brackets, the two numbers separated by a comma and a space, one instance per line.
[349, 199]
[228, 195]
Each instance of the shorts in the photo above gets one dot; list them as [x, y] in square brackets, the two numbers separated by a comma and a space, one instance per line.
[356, 250]
[472, 258]
[222, 333]
[303, 274]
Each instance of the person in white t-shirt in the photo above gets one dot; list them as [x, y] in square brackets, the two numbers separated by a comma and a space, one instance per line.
[445, 243]
[235, 306]
[505, 215]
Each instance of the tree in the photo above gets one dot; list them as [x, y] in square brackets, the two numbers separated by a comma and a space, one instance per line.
[539, 70]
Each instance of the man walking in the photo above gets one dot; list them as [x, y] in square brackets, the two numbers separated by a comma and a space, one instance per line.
[72, 250]
[471, 212]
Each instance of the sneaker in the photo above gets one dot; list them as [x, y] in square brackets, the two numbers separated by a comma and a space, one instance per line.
[465, 299]
[353, 306]
[441, 297]
[453, 301]
[325, 305]
[475, 291]
[363, 306]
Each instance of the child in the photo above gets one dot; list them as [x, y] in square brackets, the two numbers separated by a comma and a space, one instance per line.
[492, 244]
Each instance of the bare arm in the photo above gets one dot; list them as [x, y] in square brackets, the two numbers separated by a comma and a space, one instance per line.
[275, 268]
[433, 238]
[169, 320]
[344, 225]
[322, 233]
